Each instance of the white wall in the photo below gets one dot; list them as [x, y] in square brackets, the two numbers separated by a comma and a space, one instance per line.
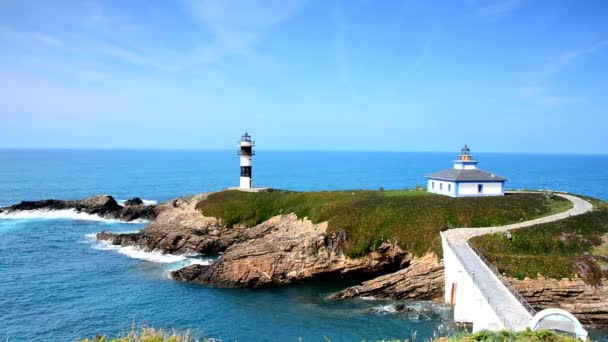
[245, 182]
[489, 188]
[245, 160]
[442, 187]
[469, 304]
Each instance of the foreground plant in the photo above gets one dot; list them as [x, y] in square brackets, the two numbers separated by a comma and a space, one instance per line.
[147, 334]
[510, 336]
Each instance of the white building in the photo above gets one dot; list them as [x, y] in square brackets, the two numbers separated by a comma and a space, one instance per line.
[246, 152]
[465, 179]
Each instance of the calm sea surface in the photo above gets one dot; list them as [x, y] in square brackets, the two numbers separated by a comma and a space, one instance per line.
[59, 284]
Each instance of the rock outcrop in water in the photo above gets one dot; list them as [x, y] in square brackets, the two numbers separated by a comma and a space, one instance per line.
[588, 303]
[103, 206]
[179, 229]
[284, 250]
[422, 279]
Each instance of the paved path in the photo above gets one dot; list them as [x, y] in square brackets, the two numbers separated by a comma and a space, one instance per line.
[507, 307]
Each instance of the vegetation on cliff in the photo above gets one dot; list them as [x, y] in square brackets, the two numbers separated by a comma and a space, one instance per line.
[410, 219]
[509, 336]
[576, 246]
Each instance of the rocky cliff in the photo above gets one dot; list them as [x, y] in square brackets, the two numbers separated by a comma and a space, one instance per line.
[588, 303]
[179, 229]
[284, 250]
[103, 206]
[421, 279]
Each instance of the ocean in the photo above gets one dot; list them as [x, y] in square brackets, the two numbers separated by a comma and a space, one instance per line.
[59, 284]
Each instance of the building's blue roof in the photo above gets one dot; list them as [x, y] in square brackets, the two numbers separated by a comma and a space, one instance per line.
[466, 175]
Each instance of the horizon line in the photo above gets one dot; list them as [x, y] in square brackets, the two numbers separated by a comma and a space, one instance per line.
[143, 149]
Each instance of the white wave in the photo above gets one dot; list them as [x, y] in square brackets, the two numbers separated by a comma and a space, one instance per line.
[93, 236]
[384, 309]
[146, 202]
[134, 252]
[65, 214]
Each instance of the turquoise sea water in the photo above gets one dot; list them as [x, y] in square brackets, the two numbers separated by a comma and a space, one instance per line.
[59, 284]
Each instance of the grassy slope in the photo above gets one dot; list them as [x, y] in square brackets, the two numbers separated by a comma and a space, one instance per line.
[411, 219]
[555, 250]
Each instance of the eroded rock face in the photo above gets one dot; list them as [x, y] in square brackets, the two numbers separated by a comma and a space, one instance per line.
[284, 250]
[179, 229]
[588, 303]
[422, 279]
[103, 205]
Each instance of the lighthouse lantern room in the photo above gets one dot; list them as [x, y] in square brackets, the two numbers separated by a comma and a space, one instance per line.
[245, 153]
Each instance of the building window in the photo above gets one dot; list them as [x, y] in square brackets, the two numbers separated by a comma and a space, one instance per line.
[440, 186]
[480, 188]
[433, 185]
[449, 187]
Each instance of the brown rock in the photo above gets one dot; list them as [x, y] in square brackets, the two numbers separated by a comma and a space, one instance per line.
[285, 249]
[178, 229]
[588, 303]
[422, 279]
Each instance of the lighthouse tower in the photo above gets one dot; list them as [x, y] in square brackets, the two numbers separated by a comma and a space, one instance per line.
[465, 160]
[246, 152]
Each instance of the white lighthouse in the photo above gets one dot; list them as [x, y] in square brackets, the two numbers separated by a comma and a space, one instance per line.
[246, 152]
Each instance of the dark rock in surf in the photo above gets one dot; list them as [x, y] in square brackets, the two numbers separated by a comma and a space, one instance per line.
[103, 206]
[134, 201]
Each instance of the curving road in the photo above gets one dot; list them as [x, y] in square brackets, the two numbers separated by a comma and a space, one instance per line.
[507, 307]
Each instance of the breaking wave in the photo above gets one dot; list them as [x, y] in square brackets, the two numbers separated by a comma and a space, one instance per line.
[134, 252]
[65, 214]
[146, 202]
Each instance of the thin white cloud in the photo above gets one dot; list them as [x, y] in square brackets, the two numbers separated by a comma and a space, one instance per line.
[238, 25]
[535, 88]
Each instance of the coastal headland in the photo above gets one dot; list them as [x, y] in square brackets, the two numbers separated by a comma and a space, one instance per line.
[387, 240]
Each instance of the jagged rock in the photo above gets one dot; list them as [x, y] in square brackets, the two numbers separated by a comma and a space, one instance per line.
[178, 229]
[104, 206]
[422, 279]
[283, 250]
[588, 303]
[134, 201]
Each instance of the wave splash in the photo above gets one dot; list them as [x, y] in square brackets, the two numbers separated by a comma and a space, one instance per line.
[134, 252]
[146, 202]
[64, 214]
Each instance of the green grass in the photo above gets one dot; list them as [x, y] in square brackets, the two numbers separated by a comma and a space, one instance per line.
[561, 249]
[397, 193]
[559, 204]
[411, 219]
[509, 336]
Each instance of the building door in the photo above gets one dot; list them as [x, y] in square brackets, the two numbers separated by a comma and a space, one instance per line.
[453, 294]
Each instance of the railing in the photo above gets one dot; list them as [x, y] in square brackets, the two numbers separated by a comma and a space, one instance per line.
[505, 282]
[494, 307]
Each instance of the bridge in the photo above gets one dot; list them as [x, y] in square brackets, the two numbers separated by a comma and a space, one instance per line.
[477, 290]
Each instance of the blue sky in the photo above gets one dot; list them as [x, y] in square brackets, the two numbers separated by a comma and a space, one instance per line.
[499, 75]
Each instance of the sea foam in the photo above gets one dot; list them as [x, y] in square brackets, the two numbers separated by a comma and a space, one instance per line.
[146, 202]
[64, 214]
[135, 252]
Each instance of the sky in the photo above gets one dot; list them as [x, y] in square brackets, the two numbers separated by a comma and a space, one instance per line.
[395, 75]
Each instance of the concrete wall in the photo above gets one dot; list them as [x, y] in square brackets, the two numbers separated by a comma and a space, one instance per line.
[489, 189]
[245, 160]
[246, 183]
[442, 187]
[469, 304]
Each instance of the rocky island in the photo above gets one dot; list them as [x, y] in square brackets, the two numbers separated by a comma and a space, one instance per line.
[387, 240]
